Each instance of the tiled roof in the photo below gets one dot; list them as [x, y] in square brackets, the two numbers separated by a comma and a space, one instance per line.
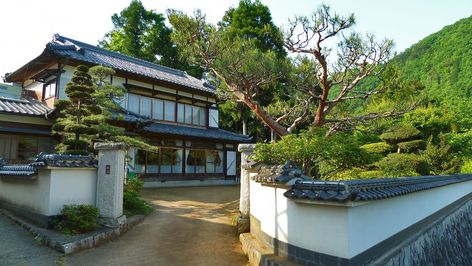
[371, 189]
[278, 173]
[64, 160]
[44, 160]
[17, 170]
[23, 106]
[150, 126]
[205, 133]
[66, 47]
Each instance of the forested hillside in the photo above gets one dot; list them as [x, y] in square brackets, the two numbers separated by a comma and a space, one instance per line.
[442, 61]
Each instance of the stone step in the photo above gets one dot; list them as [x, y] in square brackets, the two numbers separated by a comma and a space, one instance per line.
[260, 254]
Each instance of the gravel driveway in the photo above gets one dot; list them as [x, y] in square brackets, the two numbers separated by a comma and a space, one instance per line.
[191, 226]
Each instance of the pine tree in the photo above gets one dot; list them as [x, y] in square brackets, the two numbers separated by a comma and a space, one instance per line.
[86, 117]
[78, 115]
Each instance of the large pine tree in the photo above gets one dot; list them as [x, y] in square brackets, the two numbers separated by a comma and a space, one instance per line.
[78, 115]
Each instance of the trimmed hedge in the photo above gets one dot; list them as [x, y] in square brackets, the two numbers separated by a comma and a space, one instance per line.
[401, 134]
[404, 164]
[371, 174]
[412, 146]
[377, 148]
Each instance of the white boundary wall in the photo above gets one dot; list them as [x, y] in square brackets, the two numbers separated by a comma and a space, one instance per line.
[52, 189]
[345, 230]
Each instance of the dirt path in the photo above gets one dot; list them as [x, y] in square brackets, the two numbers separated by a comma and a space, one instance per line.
[191, 226]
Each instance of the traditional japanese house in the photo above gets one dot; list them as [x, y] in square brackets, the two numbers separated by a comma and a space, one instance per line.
[169, 108]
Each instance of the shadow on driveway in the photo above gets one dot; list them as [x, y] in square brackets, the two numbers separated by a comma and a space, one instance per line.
[190, 226]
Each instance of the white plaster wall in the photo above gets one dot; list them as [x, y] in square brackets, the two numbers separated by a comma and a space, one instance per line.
[65, 78]
[72, 186]
[371, 223]
[32, 195]
[315, 227]
[51, 190]
[346, 230]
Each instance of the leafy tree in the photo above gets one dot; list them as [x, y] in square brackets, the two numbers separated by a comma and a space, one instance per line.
[143, 34]
[246, 70]
[320, 156]
[253, 20]
[250, 20]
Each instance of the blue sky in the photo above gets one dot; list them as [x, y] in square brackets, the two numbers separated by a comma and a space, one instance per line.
[26, 26]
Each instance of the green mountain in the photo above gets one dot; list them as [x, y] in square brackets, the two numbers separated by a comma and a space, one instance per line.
[442, 61]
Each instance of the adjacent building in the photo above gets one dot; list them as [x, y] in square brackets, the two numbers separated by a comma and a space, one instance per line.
[169, 108]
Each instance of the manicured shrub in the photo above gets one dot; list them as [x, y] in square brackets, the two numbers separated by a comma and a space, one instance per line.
[371, 174]
[467, 167]
[442, 158]
[403, 164]
[76, 219]
[400, 134]
[132, 204]
[381, 148]
[411, 146]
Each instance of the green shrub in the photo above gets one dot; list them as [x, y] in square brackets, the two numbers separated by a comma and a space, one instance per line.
[403, 164]
[441, 157]
[77, 219]
[132, 204]
[412, 146]
[381, 148]
[371, 174]
[400, 134]
[467, 167]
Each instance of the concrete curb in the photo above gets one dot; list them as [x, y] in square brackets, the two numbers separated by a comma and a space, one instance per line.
[86, 242]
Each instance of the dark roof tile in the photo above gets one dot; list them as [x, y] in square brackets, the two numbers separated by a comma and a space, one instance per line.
[66, 47]
[205, 133]
[371, 189]
[23, 106]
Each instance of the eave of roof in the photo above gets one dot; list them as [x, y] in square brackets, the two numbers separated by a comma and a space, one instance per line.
[194, 132]
[147, 126]
[23, 106]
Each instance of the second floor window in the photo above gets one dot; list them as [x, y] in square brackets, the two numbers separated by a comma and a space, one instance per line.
[49, 89]
[166, 110]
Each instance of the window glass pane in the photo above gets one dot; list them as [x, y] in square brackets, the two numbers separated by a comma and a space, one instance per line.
[50, 89]
[133, 103]
[157, 109]
[210, 162]
[145, 106]
[213, 120]
[27, 148]
[152, 160]
[196, 112]
[166, 161]
[180, 113]
[202, 117]
[140, 161]
[177, 164]
[169, 114]
[219, 162]
[188, 114]
[195, 162]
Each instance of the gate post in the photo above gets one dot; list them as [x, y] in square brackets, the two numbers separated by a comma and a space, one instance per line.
[244, 209]
[110, 179]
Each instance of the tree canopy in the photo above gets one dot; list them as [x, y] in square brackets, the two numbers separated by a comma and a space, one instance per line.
[143, 34]
[246, 70]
